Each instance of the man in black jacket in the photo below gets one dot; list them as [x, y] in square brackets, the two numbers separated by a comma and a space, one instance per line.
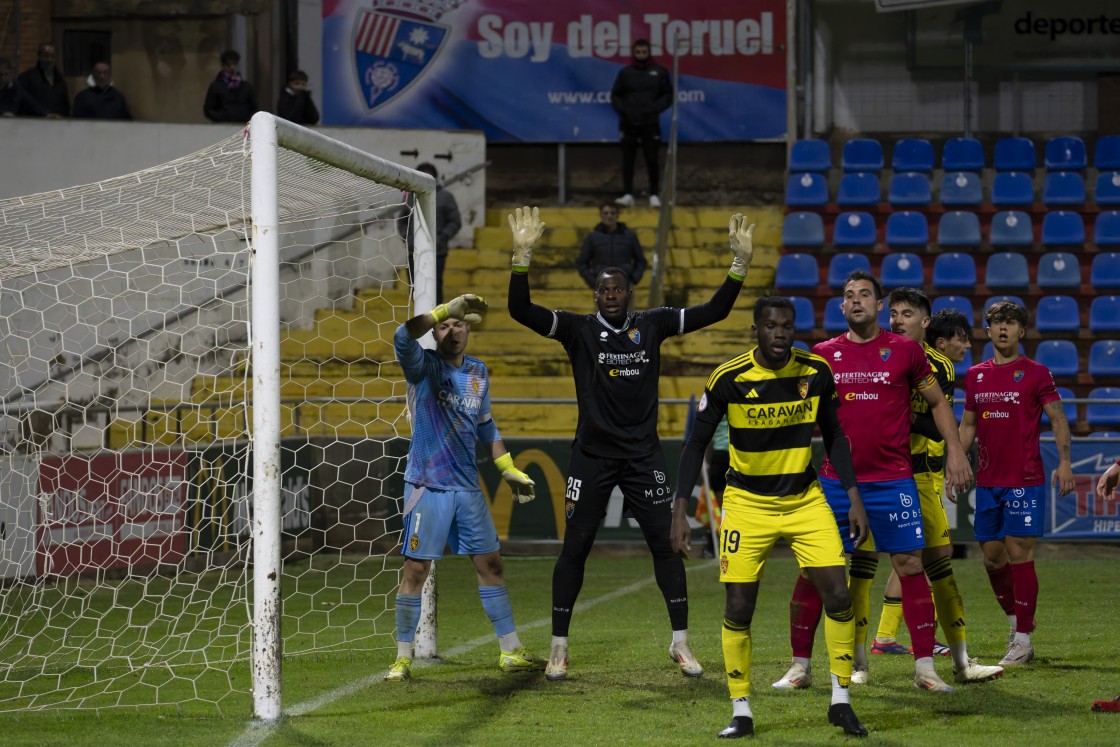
[295, 104]
[101, 100]
[610, 244]
[641, 92]
[230, 98]
[14, 101]
[45, 84]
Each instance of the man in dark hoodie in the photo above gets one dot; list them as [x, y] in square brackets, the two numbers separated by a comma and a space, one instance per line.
[229, 98]
[294, 103]
[641, 92]
[610, 244]
[14, 101]
[45, 84]
[101, 100]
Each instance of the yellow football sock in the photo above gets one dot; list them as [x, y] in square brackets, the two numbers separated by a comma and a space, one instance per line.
[889, 619]
[947, 599]
[860, 576]
[737, 658]
[839, 639]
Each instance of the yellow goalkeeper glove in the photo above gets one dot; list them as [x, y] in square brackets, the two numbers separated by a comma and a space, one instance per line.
[519, 481]
[469, 308]
[739, 233]
[526, 226]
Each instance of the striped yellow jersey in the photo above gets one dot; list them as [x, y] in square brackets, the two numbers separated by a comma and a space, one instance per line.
[928, 455]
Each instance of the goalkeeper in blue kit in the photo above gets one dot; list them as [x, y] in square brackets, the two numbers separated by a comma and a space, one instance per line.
[449, 404]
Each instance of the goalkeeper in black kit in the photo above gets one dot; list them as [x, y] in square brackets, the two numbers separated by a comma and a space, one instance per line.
[616, 361]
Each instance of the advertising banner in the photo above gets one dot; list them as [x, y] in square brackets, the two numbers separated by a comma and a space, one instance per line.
[110, 511]
[20, 477]
[527, 71]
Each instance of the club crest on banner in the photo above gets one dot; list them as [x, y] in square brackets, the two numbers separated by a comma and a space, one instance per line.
[394, 41]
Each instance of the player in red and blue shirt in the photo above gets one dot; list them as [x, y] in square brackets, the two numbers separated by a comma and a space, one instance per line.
[1004, 401]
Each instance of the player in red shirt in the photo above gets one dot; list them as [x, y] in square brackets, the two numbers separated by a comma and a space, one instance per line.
[875, 371]
[1004, 401]
[1106, 491]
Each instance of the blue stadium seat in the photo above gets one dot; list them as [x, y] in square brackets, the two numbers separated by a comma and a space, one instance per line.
[1011, 228]
[1058, 270]
[854, 229]
[1099, 414]
[962, 154]
[908, 228]
[1106, 228]
[801, 344]
[1105, 272]
[834, 320]
[912, 154]
[909, 189]
[810, 155]
[841, 264]
[797, 271]
[1057, 314]
[1060, 356]
[958, 228]
[1063, 188]
[961, 189]
[954, 271]
[1007, 271]
[859, 189]
[1015, 154]
[902, 270]
[803, 229]
[1107, 191]
[1063, 228]
[1065, 153]
[804, 316]
[862, 154]
[1068, 407]
[1104, 358]
[960, 368]
[806, 190]
[958, 403]
[1012, 189]
[995, 299]
[958, 303]
[885, 316]
[1106, 156]
[1104, 314]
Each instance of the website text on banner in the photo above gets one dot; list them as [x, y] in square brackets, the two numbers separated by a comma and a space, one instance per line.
[523, 70]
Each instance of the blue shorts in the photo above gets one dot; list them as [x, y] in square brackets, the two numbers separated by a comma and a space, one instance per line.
[438, 518]
[1009, 511]
[894, 513]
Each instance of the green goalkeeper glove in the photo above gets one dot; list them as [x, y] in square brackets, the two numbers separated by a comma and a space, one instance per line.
[526, 226]
[519, 481]
[468, 308]
[739, 233]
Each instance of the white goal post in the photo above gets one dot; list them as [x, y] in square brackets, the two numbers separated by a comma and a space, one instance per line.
[199, 399]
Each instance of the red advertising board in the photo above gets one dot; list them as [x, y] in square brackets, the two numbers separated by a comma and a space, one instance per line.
[111, 511]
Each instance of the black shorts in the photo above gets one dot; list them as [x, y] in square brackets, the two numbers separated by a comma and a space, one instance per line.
[646, 489]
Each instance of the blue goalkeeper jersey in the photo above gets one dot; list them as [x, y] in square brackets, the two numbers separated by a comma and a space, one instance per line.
[450, 412]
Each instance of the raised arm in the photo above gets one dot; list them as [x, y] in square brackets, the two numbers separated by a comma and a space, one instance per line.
[526, 226]
[742, 248]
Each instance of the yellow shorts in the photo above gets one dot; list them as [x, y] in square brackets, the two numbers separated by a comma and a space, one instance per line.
[750, 528]
[935, 522]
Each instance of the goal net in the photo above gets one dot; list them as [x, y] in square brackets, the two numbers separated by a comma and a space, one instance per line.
[202, 411]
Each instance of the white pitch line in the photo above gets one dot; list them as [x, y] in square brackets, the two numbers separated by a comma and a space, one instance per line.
[257, 732]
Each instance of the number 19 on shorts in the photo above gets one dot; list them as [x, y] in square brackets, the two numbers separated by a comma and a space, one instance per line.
[730, 541]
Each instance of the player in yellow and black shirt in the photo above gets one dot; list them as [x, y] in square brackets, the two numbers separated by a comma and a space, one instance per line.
[911, 317]
[774, 396]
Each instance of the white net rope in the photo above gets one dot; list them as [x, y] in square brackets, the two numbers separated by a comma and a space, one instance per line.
[126, 394]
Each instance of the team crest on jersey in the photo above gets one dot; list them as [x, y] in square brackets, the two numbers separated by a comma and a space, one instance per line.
[803, 386]
[414, 542]
[569, 508]
[391, 51]
[723, 564]
[634, 335]
[1018, 375]
[884, 353]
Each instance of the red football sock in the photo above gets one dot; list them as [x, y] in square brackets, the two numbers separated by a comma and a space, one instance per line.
[1026, 595]
[804, 616]
[1004, 587]
[917, 610]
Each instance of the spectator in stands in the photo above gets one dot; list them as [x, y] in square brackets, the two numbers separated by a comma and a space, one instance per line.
[295, 104]
[15, 101]
[45, 84]
[100, 100]
[230, 98]
[448, 223]
[641, 92]
[610, 244]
